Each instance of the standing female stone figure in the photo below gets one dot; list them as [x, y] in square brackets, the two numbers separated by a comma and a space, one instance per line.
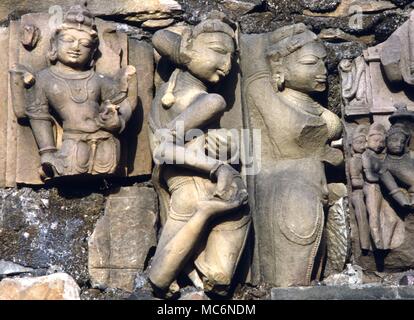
[359, 142]
[284, 71]
[206, 225]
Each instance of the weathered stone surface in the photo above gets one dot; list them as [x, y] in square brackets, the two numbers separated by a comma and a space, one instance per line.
[401, 3]
[240, 7]
[58, 286]
[407, 280]
[361, 292]
[49, 228]
[123, 238]
[349, 7]
[8, 268]
[321, 5]
[194, 296]
[388, 23]
[128, 10]
[337, 35]
[285, 7]
[157, 24]
[350, 276]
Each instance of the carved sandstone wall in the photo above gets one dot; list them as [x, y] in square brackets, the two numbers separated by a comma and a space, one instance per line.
[47, 229]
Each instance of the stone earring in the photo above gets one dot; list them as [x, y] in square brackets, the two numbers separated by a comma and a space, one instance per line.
[279, 81]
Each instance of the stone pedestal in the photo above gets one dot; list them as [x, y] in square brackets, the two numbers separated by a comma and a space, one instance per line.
[361, 292]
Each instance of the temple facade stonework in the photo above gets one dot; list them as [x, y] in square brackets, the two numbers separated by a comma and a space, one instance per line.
[170, 150]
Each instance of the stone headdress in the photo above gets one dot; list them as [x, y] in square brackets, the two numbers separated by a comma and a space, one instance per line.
[376, 129]
[360, 131]
[175, 47]
[80, 18]
[289, 39]
[399, 128]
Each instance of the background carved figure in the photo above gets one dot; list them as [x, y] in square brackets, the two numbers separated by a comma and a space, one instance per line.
[359, 142]
[383, 219]
[377, 90]
[284, 73]
[205, 221]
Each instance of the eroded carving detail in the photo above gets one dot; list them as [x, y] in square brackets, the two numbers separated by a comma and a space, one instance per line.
[377, 92]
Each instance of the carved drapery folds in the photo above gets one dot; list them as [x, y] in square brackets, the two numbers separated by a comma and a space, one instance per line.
[378, 108]
[283, 70]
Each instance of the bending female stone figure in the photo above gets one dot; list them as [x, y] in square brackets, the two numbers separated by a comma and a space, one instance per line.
[206, 225]
[284, 72]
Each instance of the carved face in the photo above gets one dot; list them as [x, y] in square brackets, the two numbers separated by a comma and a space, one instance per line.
[396, 143]
[376, 143]
[304, 70]
[75, 48]
[210, 56]
[359, 144]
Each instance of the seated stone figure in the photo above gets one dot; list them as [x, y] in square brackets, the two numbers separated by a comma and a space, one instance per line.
[205, 224]
[92, 108]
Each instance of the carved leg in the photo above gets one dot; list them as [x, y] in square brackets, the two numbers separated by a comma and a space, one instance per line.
[218, 261]
[177, 244]
[362, 219]
[373, 199]
[391, 232]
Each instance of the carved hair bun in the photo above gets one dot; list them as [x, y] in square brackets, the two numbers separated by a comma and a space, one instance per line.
[215, 22]
[287, 40]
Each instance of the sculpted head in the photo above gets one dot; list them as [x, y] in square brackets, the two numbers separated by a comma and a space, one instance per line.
[75, 42]
[376, 137]
[206, 51]
[297, 60]
[359, 139]
[398, 139]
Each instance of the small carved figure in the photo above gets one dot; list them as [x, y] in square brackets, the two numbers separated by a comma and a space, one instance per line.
[205, 224]
[359, 142]
[382, 217]
[91, 108]
[398, 165]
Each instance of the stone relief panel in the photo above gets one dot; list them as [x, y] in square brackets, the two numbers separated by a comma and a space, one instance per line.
[72, 96]
[378, 110]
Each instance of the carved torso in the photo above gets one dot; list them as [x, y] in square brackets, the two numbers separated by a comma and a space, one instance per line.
[74, 97]
[401, 168]
[356, 171]
[295, 128]
[372, 165]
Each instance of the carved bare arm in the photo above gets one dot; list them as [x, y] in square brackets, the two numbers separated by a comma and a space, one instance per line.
[355, 171]
[394, 190]
[367, 165]
[206, 108]
[120, 96]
